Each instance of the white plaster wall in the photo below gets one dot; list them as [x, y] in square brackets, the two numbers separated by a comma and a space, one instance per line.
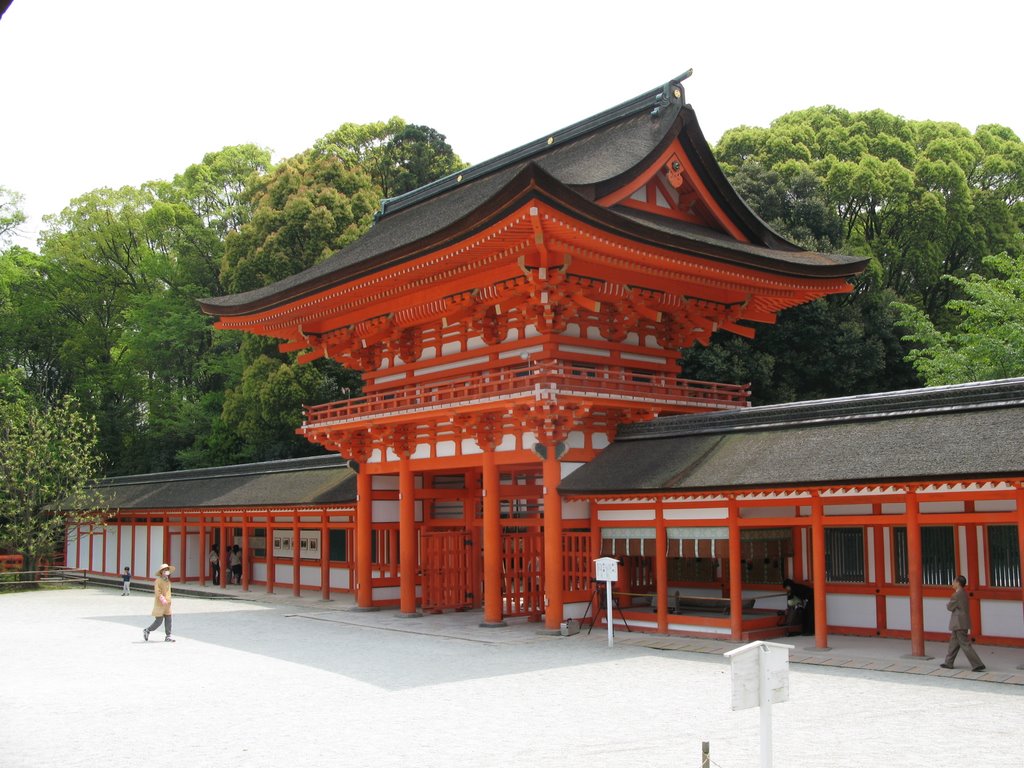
[340, 578]
[599, 440]
[470, 447]
[625, 514]
[897, 612]
[575, 510]
[71, 549]
[385, 482]
[192, 554]
[258, 572]
[934, 507]
[851, 610]
[995, 505]
[125, 555]
[309, 575]
[1002, 618]
[140, 564]
[385, 510]
[704, 513]
[113, 556]
[847, 509]
[936, 617]
[754, 513]
[156, 546]
[445, 448]
[387, 593]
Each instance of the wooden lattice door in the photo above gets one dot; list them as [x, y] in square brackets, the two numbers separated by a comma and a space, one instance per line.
[446, 572]
[522, 571]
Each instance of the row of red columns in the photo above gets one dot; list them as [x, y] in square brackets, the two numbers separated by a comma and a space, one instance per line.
[491, 538]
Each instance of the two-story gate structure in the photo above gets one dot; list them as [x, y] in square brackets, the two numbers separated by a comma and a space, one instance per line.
[507, 319]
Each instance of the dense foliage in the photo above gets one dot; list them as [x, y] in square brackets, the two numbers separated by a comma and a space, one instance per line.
[107, 310]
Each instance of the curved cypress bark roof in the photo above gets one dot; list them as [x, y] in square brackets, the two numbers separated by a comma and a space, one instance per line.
[575, 166]
[310, 481]
[942, 433]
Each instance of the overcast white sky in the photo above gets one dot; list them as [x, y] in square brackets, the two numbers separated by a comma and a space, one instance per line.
[119, 92]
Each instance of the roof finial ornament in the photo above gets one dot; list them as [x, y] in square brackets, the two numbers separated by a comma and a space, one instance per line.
[671, 89]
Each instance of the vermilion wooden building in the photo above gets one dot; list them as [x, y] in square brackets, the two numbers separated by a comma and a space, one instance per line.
[508, 321]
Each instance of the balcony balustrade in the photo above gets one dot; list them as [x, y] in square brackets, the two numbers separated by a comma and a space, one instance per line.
[537, 380]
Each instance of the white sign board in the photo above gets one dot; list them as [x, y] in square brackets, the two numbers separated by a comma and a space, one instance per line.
[606, 569]
[760, 674]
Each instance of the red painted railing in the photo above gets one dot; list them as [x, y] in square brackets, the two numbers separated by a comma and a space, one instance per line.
[540, 380]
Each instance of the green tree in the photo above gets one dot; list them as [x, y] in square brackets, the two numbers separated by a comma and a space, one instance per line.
[397, 156]
[921, 199]
[48, 462]
[11, 215]
[987, 342]
[306, 209]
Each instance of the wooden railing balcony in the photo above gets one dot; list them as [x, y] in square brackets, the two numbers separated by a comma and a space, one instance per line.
[535, 380]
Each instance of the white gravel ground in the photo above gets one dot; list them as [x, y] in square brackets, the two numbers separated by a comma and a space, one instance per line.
[251, 684]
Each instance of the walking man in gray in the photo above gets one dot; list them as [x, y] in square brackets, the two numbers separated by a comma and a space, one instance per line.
[960, 627]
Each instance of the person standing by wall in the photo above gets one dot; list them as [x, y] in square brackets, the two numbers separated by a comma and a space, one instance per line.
[236, 564]
[214, 565]
[161, 603]
[126, 581]
[960, 628]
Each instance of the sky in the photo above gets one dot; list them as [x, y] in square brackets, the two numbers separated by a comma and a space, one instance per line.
[120, 92]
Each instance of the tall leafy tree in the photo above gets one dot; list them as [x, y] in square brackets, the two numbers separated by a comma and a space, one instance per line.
[306, 209]
[11, 214]
[397, 156]
[48, 461]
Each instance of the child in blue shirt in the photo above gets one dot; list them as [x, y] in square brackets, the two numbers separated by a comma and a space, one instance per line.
[126, 581]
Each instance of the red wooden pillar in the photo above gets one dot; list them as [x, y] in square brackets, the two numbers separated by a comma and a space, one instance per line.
[183, 549]
[407, 537]
[820, 579]
[553, 539]
[271, 565]
[246, 554]
[225, 566]
[878, 537]
[296, 563]
[325, 555]
[915, 574]
[364, 539]
[204, 554]
[492, 539]
[661, 568]
[736, 574]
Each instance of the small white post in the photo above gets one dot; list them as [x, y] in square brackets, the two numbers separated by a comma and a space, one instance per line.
[608, 612]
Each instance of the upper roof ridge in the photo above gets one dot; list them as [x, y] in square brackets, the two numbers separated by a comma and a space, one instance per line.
[654, 100]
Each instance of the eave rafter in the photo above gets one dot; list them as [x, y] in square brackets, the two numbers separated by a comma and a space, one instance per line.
[531, 252]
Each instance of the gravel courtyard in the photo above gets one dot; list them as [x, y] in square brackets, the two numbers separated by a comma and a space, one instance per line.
[283, 683]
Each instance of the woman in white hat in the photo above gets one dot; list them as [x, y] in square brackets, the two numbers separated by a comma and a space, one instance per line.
[161, 603]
